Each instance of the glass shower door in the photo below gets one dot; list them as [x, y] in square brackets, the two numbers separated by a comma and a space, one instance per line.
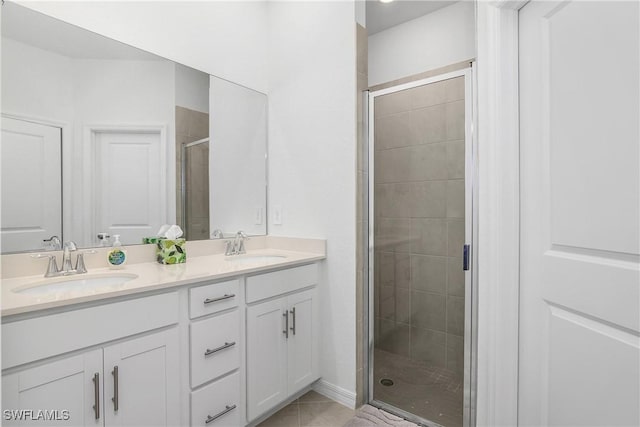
[420, 294]
[195, 190]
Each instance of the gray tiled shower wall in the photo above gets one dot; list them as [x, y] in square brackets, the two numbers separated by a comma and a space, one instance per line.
[419, 223]
[191, 126]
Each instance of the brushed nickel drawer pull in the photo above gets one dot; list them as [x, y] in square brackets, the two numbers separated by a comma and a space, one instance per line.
[293, 328]
[286, 324]
[227, 408]
[224, 297]
[114, 399]
[96, 394]
[222, 347]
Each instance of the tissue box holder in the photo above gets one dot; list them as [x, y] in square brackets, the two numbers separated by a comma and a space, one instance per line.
[171, 251]
[151, 240]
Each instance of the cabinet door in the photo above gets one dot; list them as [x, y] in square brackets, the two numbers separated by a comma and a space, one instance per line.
[141, 381]
[302, 349]
[61, 389]
[266, 356]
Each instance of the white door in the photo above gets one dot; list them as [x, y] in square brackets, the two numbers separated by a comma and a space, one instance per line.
[141, 386]
[302, 362]
[266, 356]
[64, 385]
[130, 182]
[31, 174]
[580, 300]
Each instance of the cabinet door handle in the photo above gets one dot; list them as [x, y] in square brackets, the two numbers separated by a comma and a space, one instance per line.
[286, 324]
[114, 399]
[96, 394]
[217, 349]
[293, 327]
[224, 297]
[227, 408]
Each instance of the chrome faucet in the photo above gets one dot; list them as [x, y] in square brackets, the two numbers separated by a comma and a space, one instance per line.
[66, 256]
[236, 246]
[66, 270]
[53, 243]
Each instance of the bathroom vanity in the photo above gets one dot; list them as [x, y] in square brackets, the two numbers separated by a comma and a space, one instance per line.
[216, 341]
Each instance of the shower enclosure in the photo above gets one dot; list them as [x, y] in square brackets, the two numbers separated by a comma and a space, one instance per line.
[420, 250]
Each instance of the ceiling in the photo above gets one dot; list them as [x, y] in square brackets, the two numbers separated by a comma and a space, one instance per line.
[33, 28]
[381, 16]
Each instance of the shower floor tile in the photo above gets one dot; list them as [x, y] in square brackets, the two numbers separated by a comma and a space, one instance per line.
[430, 392]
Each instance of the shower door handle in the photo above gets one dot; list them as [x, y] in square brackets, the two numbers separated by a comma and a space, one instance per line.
[465, 257]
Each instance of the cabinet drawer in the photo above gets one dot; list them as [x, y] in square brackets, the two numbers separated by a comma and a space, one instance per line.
[219, 400]
[59, 333]
[280, 282]
[215, 346]
[212, 298]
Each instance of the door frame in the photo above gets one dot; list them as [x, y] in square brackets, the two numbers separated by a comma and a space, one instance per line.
[88, 204]
[471, 222]
[498, 252]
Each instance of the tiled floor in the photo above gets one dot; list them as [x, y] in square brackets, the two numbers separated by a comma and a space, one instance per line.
[432, 393]
[310, 410]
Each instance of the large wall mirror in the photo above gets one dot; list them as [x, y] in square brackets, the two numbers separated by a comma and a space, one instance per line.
[100, 138]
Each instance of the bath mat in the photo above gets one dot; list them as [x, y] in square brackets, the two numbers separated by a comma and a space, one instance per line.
[368, 416]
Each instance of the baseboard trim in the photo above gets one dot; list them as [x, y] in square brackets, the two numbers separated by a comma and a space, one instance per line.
[335, 393]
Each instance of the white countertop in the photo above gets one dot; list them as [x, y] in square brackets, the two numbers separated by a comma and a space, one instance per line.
[151, 276]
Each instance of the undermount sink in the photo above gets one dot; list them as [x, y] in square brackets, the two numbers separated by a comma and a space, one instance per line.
[255, 259]
[76, 283]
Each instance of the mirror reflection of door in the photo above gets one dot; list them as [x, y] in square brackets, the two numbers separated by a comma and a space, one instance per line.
[31, 176]
[129, 184]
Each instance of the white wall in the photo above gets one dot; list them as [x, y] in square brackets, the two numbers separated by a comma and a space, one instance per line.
[435, 40]
[312, 162]
[223, 38]
[192, 89]
[36, 83]
[237, 172]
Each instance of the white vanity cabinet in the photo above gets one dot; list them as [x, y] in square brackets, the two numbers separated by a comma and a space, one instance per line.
[128, 382]
[282, 336]
[131, 383]
[218, 353]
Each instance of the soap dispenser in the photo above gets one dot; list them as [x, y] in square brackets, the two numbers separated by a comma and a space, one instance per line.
[117, 256]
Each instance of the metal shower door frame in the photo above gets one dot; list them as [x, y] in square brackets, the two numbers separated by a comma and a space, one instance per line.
[471, 197]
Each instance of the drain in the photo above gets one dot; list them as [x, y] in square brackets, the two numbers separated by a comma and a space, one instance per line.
[386, 382]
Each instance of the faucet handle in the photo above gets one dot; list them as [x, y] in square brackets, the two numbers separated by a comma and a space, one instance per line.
[53, 242]
[229, 247]
[52, 268]
[80, 267]
[241, 237]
